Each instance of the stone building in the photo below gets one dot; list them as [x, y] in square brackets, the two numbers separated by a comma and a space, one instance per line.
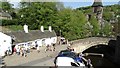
[5, 15]
[98, 11]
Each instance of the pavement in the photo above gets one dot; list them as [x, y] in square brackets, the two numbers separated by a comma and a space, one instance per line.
[43, 58]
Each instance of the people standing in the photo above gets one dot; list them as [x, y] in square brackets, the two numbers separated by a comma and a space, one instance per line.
[38, 49]
[9, 51]
[36, 44]
[14, 50]
[53, 47]
[21, 51]
[47, 46]
[26, 47]
[24, 53]
[89, 63]
[18, 50]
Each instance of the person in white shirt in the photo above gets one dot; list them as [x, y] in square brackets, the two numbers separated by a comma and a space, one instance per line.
[38, 49]
[18, 50]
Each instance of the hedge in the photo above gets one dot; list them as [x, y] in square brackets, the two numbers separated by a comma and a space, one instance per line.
[9, 22]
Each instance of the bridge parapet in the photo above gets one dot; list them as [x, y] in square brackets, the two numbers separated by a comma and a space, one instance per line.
[80, 47]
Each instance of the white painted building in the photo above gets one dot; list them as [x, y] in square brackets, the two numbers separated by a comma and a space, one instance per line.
[42, 37]
[5, 43]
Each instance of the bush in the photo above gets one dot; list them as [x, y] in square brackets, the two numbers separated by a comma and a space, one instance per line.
[9, 22]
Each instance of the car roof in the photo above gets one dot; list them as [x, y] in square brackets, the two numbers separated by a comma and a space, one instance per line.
[67, 53]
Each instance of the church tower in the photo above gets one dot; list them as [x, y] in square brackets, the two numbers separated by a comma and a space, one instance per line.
[98, 11]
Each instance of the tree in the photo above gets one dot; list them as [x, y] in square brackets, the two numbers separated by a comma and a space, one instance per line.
[36, 14]
[107, 15]
[71, 23]
[6, 7]
[96, 26]
[107, 29]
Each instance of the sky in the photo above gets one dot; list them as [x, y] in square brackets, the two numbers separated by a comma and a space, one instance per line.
[74, 5]
[70, 3]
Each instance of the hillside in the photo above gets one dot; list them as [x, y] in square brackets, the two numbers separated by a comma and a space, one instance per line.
[109, 12]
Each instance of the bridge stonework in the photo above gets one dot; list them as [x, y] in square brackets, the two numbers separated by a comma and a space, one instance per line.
[87, 43]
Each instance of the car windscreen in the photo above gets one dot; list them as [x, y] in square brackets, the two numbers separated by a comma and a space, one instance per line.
[67, 54]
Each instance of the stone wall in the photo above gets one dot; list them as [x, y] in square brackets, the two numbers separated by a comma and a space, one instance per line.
[117, 51]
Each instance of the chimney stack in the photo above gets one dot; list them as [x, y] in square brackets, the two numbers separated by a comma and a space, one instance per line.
[26, 28]
[50, 28]
[42, 28]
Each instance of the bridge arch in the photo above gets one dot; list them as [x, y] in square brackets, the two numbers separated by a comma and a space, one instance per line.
[79, 48]
[94, 46]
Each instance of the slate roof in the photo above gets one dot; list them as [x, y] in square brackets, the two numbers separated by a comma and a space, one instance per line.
[21, 36]
[96, 4]
[4, 14]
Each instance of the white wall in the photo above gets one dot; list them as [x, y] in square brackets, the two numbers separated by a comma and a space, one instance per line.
[47, 41]
[54, 40]
[39, 42]
[5, 43]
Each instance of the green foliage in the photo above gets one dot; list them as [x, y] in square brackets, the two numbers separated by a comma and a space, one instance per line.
[118, 13]
[9, 22]
[86, 10]
[6, 6]
[69, 23]
[119, 25]
[37, 13]
[110, 12]
[107, 15]
[94, 22]
[107, 29]
[14, 27]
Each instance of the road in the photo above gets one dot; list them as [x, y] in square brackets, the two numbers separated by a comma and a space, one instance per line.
[45, 61]
[34, 59]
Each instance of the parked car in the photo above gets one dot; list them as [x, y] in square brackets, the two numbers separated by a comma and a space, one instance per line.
[68, 58]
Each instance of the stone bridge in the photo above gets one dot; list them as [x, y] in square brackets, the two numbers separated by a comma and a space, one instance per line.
[81, 45]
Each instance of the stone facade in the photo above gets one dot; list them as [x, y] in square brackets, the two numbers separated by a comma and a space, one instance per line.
[98, 11]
